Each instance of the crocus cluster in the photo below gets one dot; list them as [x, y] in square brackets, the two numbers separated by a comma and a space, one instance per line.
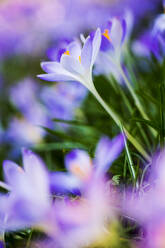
[38, 107]
[39, 199]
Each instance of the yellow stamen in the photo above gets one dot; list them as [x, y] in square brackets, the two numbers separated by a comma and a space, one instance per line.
[67, 53]
[75, 169]
[80, 59]
[106, 34]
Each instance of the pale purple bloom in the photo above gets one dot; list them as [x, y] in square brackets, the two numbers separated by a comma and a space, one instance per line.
[25, 96]
[27, 129]
[21, 132]
[62, 100]
[28, 202]
[81, 169]
[76, 63]
[146, 45]
[115, 36]
[152, 42]
[85, 221]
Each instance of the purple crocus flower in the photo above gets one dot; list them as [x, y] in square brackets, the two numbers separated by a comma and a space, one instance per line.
[152, 42]
[115, 36]
[146, 45]
[76, 63]
[62, 100]
[85, 221]
[27, 129]
[81, 169]
[28, 202]
[21, 132]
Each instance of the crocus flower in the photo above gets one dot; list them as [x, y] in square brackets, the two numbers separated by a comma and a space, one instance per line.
[86, 220]
[62, 100]
[152, 42]
[27, 130]
[28, 202]
[115, 36]
[81, 169]
[76, 63]
[146, 45]
[21, 132]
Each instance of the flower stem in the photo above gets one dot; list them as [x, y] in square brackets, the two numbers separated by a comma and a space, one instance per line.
[117, 120]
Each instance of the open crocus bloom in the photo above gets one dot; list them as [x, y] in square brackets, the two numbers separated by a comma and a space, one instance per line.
[28, 201]
[76, 63]
[81, 169]
[85, 220]
[113, 37]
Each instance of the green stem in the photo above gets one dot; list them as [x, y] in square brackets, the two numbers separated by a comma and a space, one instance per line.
[115, 117]
[126, 100]
[130, 162]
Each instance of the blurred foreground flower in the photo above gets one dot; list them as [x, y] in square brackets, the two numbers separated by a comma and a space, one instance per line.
[81, 170]
[28, 202]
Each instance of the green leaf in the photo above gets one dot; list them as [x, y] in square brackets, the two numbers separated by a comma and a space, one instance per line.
[147, 122]
[59, 146]
[70, 122]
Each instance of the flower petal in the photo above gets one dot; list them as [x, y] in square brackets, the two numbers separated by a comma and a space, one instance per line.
[96, 45]
[116, 33]
[72, 65]
[86, 54]
[51, 67]
[106, 152]
[12, 172]
[61, 182]
[36, 174]
[54, 77]
[74, 49]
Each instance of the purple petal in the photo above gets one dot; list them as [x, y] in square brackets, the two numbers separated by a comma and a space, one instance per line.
[51, 67]
[12, 172]
[106, 44]
[71, 64]
[53, 77]
[74, 49]
[61, 182]
[106, 152]
[116, 33]
[96, 45]
[35, 170]
[86, 54]
[124, 27]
